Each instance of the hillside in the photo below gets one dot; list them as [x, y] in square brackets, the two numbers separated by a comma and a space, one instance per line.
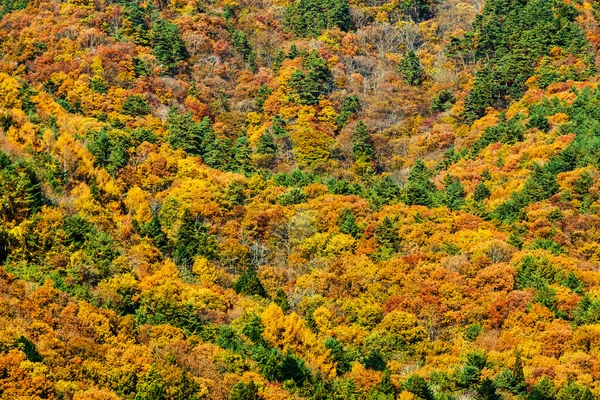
[299, 199]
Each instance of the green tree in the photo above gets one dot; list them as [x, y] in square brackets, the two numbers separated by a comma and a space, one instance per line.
[136, 106]
[281, 300]
[362, 146]
[244, 391]
[347, 223]
[193, 240]
[249, 283]
[152, 387]
[167, 45]
[410, 68]
[418, 386]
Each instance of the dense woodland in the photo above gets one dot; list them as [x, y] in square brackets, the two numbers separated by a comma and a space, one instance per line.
[299, 199]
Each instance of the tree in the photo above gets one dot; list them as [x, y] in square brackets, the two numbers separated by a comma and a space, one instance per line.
[310, 17]
[193, 240]
[135, 106]
[481, 192]
[455, 193]
[420, 190]
[362, 147]
[249, 283]
[281, 300]
[244, 391]
[487, 390]
[418, 386]
[152, 387]
[240, 160]
[168, 48]
[347, 223]
[410, 68]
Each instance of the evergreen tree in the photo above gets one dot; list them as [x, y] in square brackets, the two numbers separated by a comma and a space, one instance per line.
[541, 185]
[362, 147]
[240, 160]
[249, 283]
[384, 192]
[543, 390]
[487, 390]
[410, 68]
[455, 193]
[136, 106]
[420, 190]
[244, 391]
[481, 192]
[193, 240]
[418, 386]
[185, 133]
[384, 390]
[281, 300]
[167, 46]
[347, 223]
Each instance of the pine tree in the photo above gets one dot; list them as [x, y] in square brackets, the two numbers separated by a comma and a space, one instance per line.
[418, 386]
[347, 223]
[410, 68]
[249, 283]
[487, 390]
[281, 300]
[193, 240]
[244, 391]
[543, 390]
[481, 192]
[455, 193]
[420, 190]
[185, 133]
[240, 160]
[362, 146]
[168, 48]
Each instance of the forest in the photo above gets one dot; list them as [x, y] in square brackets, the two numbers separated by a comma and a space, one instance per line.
[299, 199]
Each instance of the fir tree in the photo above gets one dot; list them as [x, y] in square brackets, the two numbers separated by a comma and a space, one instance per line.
[410, 68]
[362, 147]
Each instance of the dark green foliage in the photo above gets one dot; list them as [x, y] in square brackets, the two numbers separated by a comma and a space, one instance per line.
[574, 283]
[242, 45]
[470, 373]
[249, 283]
[455, 193]
[410, 68]
[541, 185]
[506, 132]
[375, 361]
[384, 192]
[543, 390]
[511, 36]
[339, 355]
[362, 146]
[185, 133]
[135, 106]
[293, 196]
[384, 390]
[513, 380]
[443, 101]
[386, 236]
[263, 93]
[534, 272]
[347, 223]
[240, 156]
[472, 332]
[281, 300]
[110, 149]
[244, 391]
[8, 6]
[20, 189]
[418, 386]
[351, 106]
[574, 391]
[487, 390]
[313, 81]
[296, 178]
[27, 347]
[167, 45]
[481, 192]
[99, 85]
[184, 387]
[136, 14]
[216, 150]
[420, 190]
[254, 329]
[153, 230]
[193, 240]
[310, 17]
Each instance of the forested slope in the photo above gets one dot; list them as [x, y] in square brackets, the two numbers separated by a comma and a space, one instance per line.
[311, 199]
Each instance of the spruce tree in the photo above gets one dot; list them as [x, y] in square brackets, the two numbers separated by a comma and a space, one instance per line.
[362, 146]
[410, 68]
[167, 45]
